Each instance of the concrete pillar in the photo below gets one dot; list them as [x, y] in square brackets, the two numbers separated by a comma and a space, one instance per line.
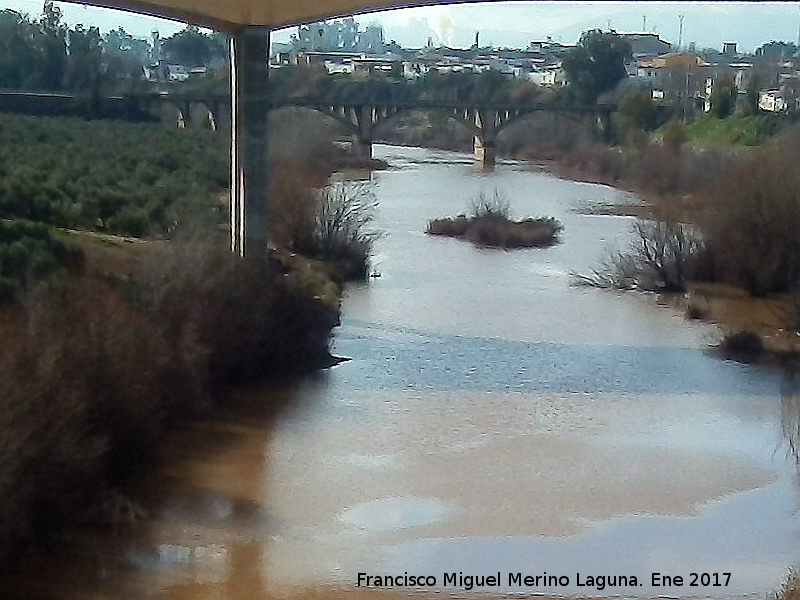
[362, 141]
[484, 142]
[485, 154]
[361, 147]
[249, 117]
[222, 116]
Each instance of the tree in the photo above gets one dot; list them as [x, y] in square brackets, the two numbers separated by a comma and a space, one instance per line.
[192, 47]
[86, 68]
[124, 53]
[32, 54]
[782, 50]
[16, 44]
[597, 64]
[51, 46]
[638, 110]
[753, 89]
[723, 97]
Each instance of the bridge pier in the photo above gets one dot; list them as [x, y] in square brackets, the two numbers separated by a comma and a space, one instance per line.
[362, 141]
[484, 144]
[485, 154]
[185, 115]
[249, 49]
[221, 117]
[361, 147]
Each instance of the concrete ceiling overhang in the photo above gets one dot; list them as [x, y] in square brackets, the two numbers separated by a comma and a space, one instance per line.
[231, 15]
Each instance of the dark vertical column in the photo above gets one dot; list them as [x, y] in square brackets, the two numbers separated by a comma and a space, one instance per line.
[249, 117]
[362, 141]
[186, 109]
[222, 115]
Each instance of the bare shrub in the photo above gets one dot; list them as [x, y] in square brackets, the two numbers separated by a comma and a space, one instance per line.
[81, 403]
[112, 355]
[431, 129]
[494, 206]
[666, 249]
[617, 271]
[533, 232]
[696, 312]
[301, 135]
[789, 312]
[675, 136]
[660, 257]
[488, 231]
[342, 233]
[293, 199]
[548, 136]
[650, 167]
[196, 290]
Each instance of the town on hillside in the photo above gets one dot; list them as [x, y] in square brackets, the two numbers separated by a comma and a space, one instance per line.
[118, 63]
[667, 71]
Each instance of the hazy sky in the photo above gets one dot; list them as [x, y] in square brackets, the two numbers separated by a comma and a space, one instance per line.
[517, 23]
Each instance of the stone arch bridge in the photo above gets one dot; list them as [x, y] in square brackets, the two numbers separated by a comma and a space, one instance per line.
[360, 118]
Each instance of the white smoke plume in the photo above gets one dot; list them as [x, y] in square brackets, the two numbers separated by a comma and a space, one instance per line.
[442, 24]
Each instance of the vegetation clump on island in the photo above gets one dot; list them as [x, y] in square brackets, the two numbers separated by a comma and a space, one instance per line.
[489, 223]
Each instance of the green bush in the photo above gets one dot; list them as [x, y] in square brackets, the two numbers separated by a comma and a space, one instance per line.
[28, 252]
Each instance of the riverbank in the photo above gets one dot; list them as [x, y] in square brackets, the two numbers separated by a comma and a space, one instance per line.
[100, 366]
[741, 205]
[133, 318]
[771, 319]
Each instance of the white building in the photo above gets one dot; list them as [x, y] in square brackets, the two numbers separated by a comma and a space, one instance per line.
[772, 101]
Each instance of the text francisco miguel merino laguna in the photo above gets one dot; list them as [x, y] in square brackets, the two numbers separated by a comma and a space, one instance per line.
[598, 582]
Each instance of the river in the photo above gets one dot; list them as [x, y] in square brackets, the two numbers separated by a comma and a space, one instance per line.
[493, 418]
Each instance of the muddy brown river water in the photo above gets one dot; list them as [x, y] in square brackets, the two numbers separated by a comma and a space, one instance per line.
[493, 419]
